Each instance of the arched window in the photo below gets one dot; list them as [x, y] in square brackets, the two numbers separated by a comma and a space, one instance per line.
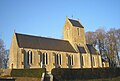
[70, 60]
[58, 59]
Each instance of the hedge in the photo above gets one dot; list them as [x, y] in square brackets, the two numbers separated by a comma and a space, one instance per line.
[63, 74]
[37, 73]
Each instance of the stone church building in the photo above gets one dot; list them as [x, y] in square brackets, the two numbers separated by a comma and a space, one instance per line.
[29, 51]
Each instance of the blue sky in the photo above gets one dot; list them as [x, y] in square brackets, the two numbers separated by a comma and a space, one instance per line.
[47, 17]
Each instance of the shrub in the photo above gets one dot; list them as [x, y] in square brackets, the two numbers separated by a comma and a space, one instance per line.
[85, 73]
[27, 72]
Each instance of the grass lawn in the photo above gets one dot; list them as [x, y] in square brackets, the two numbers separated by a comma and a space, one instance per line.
[38, 79]
[110, 79]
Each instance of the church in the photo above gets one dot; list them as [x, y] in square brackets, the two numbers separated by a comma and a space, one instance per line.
[28, 51]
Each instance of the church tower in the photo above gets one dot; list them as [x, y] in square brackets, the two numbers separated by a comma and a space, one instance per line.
[74, 32]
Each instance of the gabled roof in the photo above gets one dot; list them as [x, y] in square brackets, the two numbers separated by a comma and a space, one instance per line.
[75, 23]
[36, 42]
[91, 49]
[81, 49]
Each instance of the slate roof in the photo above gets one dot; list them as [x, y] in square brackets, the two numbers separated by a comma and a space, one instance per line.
[104, 60]
[81, 49]
[36, 42]
[91, 49]
[75, 23]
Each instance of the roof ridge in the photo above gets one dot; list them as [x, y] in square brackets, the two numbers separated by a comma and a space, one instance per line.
[75, 23]
[73, 19]
[43, 43]
[41, 37]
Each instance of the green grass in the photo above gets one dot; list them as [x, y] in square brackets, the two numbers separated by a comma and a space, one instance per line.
[109, 79]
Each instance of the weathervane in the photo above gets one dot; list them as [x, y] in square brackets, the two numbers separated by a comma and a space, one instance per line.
[72, 16]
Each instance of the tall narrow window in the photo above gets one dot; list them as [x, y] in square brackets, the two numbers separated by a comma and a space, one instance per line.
[57, 59]
[78, 30]
[69, 60]
[72, 59]
[46, 58]
[43, 58]
[93, 61]
[60, 59]
[30, 57]
[67, 32]
[24, 58]
[82, 59]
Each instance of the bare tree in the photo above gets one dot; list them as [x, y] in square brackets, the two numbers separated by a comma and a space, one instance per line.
[3, 55]
[100, 37]
[6, 58]
[108, 44]
[112, 46]
[90, 37]
[1, 51]
[117, 45]
[97, 38]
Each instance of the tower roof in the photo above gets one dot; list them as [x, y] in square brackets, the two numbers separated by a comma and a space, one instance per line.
[75, 23]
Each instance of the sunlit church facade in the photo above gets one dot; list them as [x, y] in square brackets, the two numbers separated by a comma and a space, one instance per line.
[28, 51]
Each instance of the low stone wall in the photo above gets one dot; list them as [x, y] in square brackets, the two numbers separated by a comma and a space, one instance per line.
[5, 72]
[27, 79]
[1, 72]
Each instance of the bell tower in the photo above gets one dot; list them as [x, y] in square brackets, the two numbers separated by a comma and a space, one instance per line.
[74, 32]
